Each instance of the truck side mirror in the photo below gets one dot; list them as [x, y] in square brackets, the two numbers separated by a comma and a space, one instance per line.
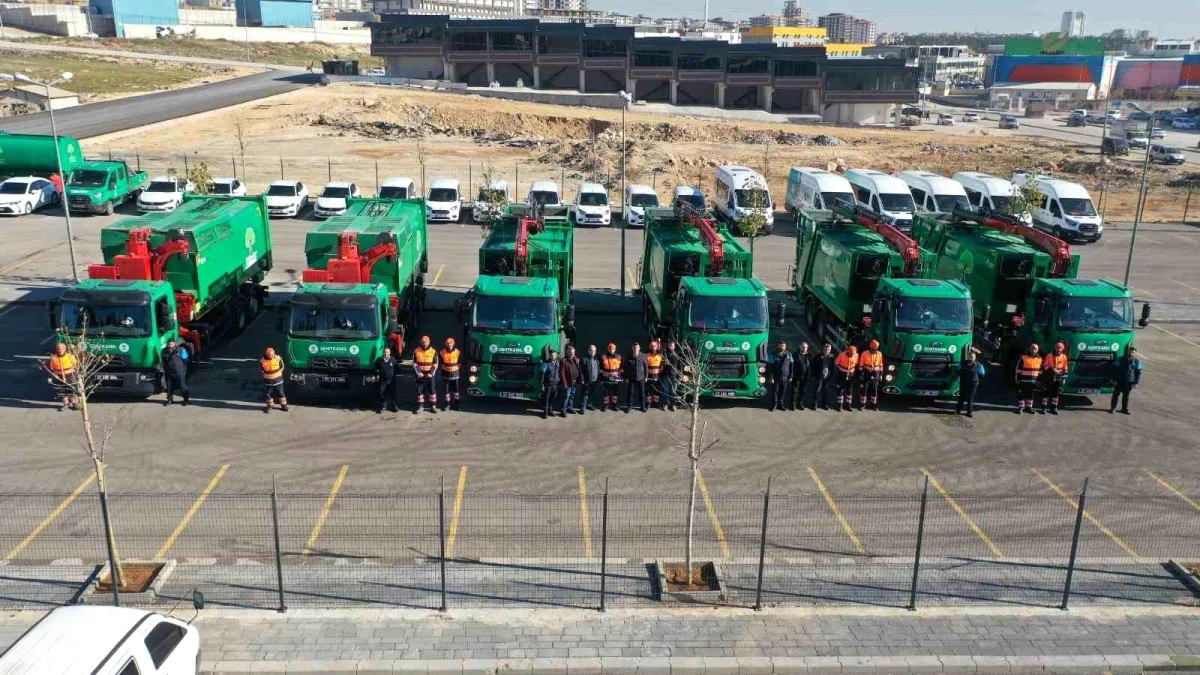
[1145, 320]
[52, 314]
[461, 306]
[281, 318]
[393, 326]
[1040, 310]
[987, 311]
[569, 316]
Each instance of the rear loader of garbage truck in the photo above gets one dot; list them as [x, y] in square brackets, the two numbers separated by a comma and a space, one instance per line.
[33, 155]
[857, 284]
[698, 288]
[364, 290]
[194, 275]
[520, 307]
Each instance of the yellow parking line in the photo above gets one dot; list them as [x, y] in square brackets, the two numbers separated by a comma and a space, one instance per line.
[50, 518]
[1173, 490]
[583, 514]
[28, 259]
[836, 511]
[1091, 519]
[438, 275]
[1184, 285]
[1174, 335]
[1180, 236]
[963, 514]
[632, 281]
[712, 515]
[337, 486]
[187, 517]
[458, 497]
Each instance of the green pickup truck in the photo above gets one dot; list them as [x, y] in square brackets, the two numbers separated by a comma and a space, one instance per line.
[99, 187]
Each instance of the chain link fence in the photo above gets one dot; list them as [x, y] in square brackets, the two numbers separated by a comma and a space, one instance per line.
[463, 549]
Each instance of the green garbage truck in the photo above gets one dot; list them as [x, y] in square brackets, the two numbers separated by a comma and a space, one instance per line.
[1026, 289]
[34, 155]
[520, 306]
[194, 275]
[858, 279]
[698, 287]
[363, 290]
[98, 187]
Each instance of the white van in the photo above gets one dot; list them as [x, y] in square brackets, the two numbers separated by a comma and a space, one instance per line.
[80, 640]
[638, 198]
[811, 188]
[591, 205]
[444, 202]
[490, 201]
[739, 186]
[884, 194]
[397, 188]
[543, 193]
[933, 193]
[986, 192]
[1065, 209]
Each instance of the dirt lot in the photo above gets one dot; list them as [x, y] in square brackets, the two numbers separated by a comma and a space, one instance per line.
[353, 133]
[297, 54]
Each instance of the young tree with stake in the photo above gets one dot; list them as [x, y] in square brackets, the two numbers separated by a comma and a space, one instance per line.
[753, 225]
[491, 200]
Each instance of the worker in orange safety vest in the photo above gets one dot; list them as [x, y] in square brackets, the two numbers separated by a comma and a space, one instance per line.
[870, 369]
[425, 365]
[450, 359]
[1054, 375]
[610, 376]
[654, 371]
[1029, 368]
[271, 367]
[847, 367]
[62, 368]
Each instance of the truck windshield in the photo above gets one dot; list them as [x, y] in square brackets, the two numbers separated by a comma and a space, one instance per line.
[832, 199]
[492, 196]
[514, 315]
[544, 197]
[222, 188]
[897, 201]
[594, 199]
[1003, 204]
[131, 321]
[947, 203]
[281, 191]
[696, 201]
[87, 178]
[728, 314]
[1074, 206]
[160, 186]
[393, 192]
[756, 199]
[1105, 314]
[335, 192]
[443, 195]
[933, 315]
[317, 322]
[643, 200]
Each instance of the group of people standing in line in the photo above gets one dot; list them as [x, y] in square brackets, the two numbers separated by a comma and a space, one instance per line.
[649, 379]
[805, 380]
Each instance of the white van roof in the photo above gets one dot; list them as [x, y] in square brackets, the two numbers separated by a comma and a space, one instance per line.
[592, 187]
[883, 183]
[165, 179]
[338, 184]
[740, 175]
[444, 183]
[687, 191]
[827, 181]
[397, 182]
[640, 189]
[940, 185]
[544, 186]
[71, 640]
[994, 185]
[1064, 188]
[285, 183]
[495, 185]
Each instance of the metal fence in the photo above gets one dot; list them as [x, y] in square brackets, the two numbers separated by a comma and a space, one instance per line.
[446, 550]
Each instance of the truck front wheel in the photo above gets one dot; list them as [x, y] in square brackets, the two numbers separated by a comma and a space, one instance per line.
[108, 208]
[810, 314]
[238, 316]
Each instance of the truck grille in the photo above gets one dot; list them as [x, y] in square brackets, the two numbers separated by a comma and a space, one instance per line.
[116, 362]
[727, 366]
[79, 201]
[931, 366]
[1088, 228]
[512, 367]
[331, 363]
[1093, 365]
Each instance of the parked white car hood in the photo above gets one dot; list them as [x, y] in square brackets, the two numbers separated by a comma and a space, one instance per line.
[14, 199]
[282, 200]
[331, 203]
[443, 206]
[158, 197]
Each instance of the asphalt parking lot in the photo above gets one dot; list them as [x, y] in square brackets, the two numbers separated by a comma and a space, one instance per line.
[997, 480]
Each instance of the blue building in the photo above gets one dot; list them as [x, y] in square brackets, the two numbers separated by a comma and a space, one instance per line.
[294, 13]
[151, 12]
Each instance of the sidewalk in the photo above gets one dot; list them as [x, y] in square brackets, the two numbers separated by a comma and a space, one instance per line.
[691, 640]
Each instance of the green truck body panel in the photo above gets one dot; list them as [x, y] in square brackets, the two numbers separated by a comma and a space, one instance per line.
[342, 362]
[1009, 278]
[845, 274]
[229, 254]
[29, 154]
[505, 359]
[685, 299]
[98, 187]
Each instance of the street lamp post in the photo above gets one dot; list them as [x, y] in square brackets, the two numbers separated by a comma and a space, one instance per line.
[1141, 203]
[62, 198]
[624, 196]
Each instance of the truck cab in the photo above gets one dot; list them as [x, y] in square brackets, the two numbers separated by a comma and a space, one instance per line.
[923, 327]
[99, 187]
[726, 318]
[335, 331]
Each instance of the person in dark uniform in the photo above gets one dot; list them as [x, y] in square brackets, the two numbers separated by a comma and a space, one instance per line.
[820, 372]
[969, 372]
[551, 382]
[670, 376]
[779, 373]
[589, 378]
[174, 365]
[637, 370]
[801, 366]
[1128, 374]
[388, 394]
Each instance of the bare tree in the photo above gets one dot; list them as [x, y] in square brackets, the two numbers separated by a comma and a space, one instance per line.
[692, 380]
[757, 200]
[79, 384]
[239, 134]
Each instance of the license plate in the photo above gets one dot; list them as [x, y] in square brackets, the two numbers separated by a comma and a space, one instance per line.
[1089, 391]
[111, 378]
[332, 380]
[724, 393]
[511, 394]
[925, 392]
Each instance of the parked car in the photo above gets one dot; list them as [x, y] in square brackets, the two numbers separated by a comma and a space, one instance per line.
[1009, 122]
[1094, 118]
[1158, 133]
[945, 120]
[1166, 154]
[24, 195]
[1186, 123]
[688, 199]
[332, 201]
[228, 187]
[490, 201]
[444, 203]
[397, 187]
[1077, 120]
[1111, 145]
[970, 117]
[286, 198]
[164, 193]
[591, 205]
[1137, 142]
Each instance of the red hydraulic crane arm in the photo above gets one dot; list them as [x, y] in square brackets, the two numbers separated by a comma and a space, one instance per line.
[350, 267]
[707, 228]
[373, 255]
[525, 228]
[1059, 250]
[908, 249]
[139, 261]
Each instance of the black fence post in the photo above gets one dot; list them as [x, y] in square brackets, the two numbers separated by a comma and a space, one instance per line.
[278, 547]
[376, 177]
[328, 168]
[762, 546]
[138, 156]
[114, 579]
[912, 594]
[281, 167]
[604, 547]
[1074, 545]
[186, 170]
[442, 539]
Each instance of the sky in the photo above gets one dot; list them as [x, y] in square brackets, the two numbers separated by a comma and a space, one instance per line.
[1166, 18]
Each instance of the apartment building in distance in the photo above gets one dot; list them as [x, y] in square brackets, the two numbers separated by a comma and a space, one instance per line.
[459, 8]
[1072, 24]
[845, 28]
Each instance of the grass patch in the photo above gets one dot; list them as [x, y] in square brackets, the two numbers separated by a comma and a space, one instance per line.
[96, 75]
[292, 54]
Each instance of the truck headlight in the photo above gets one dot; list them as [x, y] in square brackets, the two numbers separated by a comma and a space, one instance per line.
[891, 367]
[370, 378]
[296, 377]
[472, 379]
[762, 369]
[762, 380]
[888, 378]
[474, 369]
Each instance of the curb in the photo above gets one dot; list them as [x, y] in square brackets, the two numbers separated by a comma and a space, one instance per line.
[758, 665]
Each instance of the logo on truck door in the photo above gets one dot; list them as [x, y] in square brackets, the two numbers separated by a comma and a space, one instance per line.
[251, 254]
